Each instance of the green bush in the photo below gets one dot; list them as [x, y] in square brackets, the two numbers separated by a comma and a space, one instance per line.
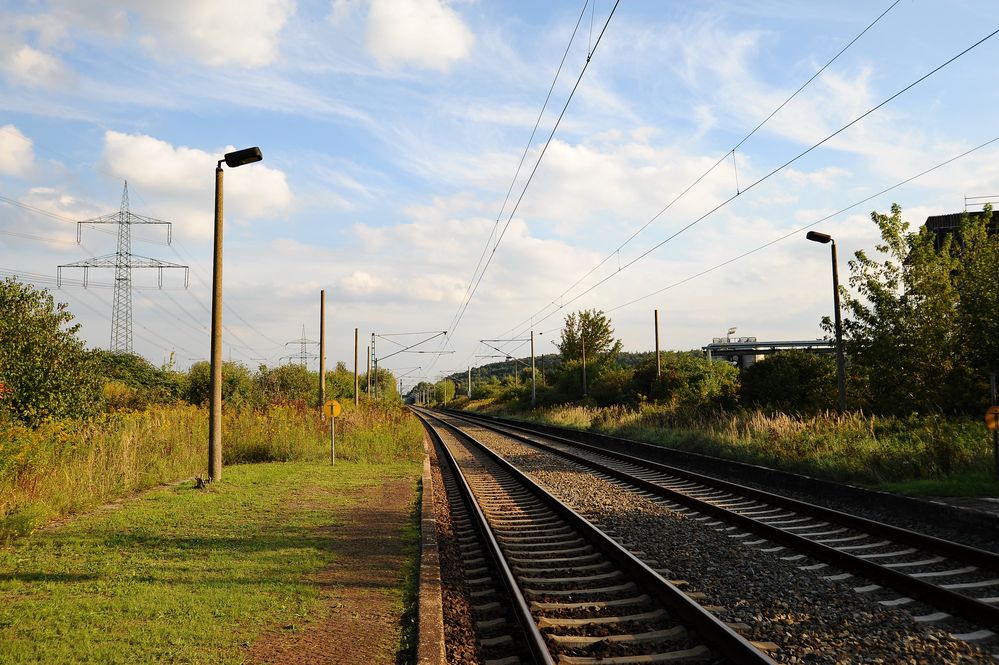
[791, 381]
[690, 381]
[286, 383]
[45, 371]
[237, 384]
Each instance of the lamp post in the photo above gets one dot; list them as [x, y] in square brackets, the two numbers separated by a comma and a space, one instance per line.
[824, 238]
[232, 160]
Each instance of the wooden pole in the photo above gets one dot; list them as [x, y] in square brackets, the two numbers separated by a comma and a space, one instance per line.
[659, 364]
[322, 350]
[215, 404]
[534, 384]
[369, 373]
[356, 386]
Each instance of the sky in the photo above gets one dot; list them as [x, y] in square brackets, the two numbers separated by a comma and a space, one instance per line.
[392, 131]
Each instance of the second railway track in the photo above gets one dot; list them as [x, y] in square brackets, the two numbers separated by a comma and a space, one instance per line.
[933, 586]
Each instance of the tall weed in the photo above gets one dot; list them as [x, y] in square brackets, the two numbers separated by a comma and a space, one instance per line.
[62, 467]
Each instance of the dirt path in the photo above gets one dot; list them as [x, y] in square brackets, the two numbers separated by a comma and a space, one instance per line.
[361, 623]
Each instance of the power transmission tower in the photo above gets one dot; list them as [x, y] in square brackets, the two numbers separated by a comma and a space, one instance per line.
[303, 356]
[123, 261]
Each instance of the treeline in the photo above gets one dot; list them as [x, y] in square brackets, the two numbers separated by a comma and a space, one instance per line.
[47, 374]
[921, 334]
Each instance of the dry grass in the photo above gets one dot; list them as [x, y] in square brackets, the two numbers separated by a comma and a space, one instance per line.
[61, 468]
[850, 447]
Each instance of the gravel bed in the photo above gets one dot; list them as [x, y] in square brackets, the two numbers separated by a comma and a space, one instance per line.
[459, 632]
[811, 620]
[986, 538]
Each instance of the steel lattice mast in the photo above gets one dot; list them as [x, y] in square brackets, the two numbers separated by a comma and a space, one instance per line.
[123, 261]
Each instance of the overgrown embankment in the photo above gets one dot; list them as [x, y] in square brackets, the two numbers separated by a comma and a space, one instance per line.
[65, 466]
[918, 454]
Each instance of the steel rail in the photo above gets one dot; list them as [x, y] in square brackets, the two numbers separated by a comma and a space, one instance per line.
[715, 631]
[532, 636]
[969, 608]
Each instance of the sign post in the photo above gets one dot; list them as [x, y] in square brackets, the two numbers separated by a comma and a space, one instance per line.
[992, 422]
[332, 409]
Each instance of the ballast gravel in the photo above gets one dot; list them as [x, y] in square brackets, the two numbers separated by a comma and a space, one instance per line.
[809, 619]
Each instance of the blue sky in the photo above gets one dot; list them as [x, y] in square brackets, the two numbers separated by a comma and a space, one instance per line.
[391, 130]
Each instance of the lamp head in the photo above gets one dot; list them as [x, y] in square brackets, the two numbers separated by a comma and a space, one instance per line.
[815, 236]
[244, 156]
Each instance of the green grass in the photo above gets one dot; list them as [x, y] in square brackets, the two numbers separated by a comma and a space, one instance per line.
[64, 467]
[180, 575]
[920, 455]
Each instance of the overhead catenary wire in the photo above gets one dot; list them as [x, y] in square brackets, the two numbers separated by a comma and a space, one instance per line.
[768, 176]
[530, 177]
[520, 164]
[685, 191]
[797, 230]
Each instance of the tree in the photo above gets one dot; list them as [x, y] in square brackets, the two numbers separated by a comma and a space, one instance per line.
[791, 381]
[590, 328]
[286, 383]
[589, 331]
[45, 371]
[901, 330]
[977, 281]
[237, 384]
[689, 381]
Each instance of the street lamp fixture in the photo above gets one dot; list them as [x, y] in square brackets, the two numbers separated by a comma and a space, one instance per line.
[232, 160]
[825, 238]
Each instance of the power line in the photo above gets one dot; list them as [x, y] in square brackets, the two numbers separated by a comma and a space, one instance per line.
[798, 230]
[708, 171]
[767, 176]
[530, 177]
[523, 156]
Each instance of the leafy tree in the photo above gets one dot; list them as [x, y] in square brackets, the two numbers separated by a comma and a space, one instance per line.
[45, 371]
[588, 330]
[444, 390]
[791, 381]
[901, 331]
[138, 383]
[237, 384]
[977, 282]
[591, 329]
[340, 382]
[286, 383]
[691, 381]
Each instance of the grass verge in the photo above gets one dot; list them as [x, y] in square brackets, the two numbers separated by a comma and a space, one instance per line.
[181, 575]
[64, 467]
[919, 455]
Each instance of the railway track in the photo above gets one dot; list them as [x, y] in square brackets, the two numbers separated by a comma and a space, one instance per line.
[937, 581]
[553, 588]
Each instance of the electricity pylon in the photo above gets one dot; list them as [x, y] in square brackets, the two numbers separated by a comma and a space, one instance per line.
[123, 261]
[303, 356]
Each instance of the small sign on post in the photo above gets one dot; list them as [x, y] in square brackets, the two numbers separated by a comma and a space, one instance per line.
[992, 422]
[332, 409]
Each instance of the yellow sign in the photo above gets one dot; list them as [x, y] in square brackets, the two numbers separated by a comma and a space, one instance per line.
[992, 417]
[332, 408]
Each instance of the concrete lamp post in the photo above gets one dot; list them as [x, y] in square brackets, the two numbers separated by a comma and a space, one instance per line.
[232, 160]
[825, 238]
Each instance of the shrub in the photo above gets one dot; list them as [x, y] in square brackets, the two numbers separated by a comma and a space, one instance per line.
[791, 381]
[45, 371]
[237, 385]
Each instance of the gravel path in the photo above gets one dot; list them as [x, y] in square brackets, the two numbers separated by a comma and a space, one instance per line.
[809, 619]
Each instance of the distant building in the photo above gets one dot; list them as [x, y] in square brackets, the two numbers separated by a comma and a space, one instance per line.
[942, 225]
[744, 351]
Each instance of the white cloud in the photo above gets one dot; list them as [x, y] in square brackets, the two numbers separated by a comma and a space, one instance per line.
[31, 67]
[243, 33]
[180, 179]
[420, 33]
[17, 154]
[222, 32]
